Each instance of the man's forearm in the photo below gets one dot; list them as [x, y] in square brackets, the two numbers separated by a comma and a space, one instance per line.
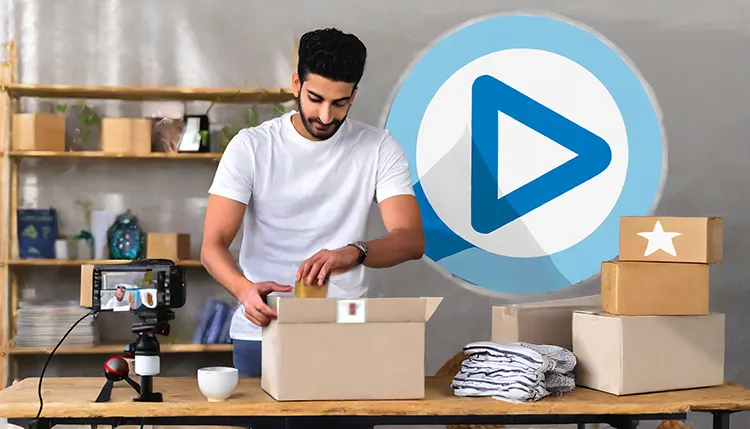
[396, 247]
[221, 266]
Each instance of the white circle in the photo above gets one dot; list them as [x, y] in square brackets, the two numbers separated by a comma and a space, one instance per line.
[444, 148]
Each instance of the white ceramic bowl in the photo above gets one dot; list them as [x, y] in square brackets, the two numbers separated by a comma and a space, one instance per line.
[217, 383]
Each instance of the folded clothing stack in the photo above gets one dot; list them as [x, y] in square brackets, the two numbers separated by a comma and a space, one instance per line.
[515, 372]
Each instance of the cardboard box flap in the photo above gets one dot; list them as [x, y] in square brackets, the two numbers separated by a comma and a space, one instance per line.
[431, 306]
[364, 310]
[583, 301]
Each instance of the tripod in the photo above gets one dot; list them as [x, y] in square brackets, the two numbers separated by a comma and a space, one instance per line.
[146, 351]
[116, 369]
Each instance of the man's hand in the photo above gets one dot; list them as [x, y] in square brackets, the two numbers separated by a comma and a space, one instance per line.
[317, 268]
[253, 296]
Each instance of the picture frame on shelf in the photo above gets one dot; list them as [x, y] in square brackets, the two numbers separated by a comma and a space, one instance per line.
[195, 136]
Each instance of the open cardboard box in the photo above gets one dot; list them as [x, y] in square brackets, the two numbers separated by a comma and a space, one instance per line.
[339, 349]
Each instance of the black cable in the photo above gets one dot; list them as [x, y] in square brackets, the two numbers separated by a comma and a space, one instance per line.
[41, 376]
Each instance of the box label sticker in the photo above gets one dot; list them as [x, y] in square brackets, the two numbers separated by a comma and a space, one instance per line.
[351, 311]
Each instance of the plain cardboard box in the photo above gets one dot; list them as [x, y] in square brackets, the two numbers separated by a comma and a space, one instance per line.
[38, 131]
[126, 135]
[698, 239]
[655, 288]
[545, 322]
[639, 354]
[335, 349]
[168, 245]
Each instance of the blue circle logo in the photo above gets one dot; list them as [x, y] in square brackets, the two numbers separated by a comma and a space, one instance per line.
[528, 137]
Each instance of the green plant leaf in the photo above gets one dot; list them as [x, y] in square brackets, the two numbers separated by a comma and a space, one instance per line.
[251, 117]
[280, 109]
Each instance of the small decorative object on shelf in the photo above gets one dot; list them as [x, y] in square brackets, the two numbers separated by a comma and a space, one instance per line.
[85, 245]
[167, 124]
[37, 233]
[195, 134]
[126, 238]
[126, 135]
[38, 131]
[62, 248]
[82, 130]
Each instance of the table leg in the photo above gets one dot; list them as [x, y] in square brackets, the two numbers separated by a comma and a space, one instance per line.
[721, 419]
[624, 423]
[40, 424]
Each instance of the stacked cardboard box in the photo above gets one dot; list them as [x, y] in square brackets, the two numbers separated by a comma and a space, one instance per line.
[655, 331]
[546, 322]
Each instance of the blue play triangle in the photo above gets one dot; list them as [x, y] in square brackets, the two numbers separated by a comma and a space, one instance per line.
[490, 96]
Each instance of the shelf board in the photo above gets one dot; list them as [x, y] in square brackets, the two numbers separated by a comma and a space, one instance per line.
[133, 93]
[118, 349]
[96, 154]
[112, 155]
[79, 262]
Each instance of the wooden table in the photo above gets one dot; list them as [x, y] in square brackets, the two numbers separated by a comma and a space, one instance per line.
[71, 401]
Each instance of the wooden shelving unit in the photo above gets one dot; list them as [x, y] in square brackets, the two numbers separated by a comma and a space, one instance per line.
[105, 155]
[118, 348]
[9, 169]
[132, 93]
[79, 262]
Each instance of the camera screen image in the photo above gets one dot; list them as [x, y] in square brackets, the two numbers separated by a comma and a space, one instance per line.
[128, 290]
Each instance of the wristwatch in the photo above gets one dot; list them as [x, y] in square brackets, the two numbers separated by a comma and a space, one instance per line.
[362, 247]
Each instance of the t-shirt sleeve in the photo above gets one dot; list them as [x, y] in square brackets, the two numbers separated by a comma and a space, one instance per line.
[393, 176]
[234, 176]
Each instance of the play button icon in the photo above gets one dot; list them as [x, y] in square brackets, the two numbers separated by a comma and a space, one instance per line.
[527, 136]
[518, 161]
[488, 212]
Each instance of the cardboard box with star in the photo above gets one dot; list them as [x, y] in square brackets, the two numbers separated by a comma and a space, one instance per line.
[671, 239]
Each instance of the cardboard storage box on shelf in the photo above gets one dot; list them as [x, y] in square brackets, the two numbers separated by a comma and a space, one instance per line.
[654, 288]
[671, 239]
[330, 349]
[639, 354]
[126, 135]
[545, 322]
[168, 245]
[38, 131]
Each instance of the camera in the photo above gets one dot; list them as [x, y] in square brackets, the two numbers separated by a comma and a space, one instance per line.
[148, 287]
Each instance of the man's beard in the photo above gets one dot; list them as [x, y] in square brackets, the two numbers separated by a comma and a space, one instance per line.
[308, 124]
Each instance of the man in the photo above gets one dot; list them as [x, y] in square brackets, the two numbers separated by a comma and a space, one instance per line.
[118, 302]
[302, 186]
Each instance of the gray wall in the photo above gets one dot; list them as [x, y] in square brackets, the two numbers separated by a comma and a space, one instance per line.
[693, 54]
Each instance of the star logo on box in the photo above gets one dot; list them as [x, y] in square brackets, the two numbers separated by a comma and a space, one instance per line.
[658, 239]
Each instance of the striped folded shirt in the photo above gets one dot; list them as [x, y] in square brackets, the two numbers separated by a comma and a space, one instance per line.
[518, 372]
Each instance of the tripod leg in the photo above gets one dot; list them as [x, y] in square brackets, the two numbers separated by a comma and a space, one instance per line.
[133, 384]
[106, 394]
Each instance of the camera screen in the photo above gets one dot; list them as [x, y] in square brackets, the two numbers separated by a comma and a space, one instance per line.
[128, 290]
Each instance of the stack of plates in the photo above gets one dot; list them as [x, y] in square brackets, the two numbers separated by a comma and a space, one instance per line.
[43, 325]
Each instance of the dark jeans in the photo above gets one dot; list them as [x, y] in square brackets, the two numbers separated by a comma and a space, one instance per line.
[247, 360]
[246, 356]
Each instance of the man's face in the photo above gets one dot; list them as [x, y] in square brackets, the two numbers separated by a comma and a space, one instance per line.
[323, 104]
[120, 293]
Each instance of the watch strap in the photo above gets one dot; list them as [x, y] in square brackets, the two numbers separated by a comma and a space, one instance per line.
[362, 248]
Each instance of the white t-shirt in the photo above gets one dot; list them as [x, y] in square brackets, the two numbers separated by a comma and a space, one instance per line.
[303, 196]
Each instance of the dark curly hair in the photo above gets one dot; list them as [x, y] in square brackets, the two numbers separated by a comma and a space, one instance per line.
[332, 54]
